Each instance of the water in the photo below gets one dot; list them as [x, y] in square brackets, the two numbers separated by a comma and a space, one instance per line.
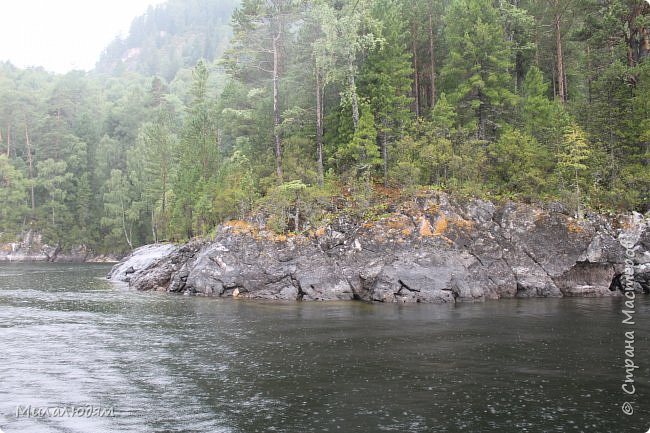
[180, 364]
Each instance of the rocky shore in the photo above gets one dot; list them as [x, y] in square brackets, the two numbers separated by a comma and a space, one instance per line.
[31, 248]
[435, 248]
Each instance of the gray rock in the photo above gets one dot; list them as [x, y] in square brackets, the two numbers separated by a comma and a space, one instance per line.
[140, 260]
[438, 250]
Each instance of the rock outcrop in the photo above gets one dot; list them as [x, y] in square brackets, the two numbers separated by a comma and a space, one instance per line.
[31, 248]
[139, 261]
[433, 249]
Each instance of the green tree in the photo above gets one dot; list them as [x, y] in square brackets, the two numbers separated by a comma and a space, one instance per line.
[361, 156]
[573, 161]
[157, 144]
[518, 164]
[385, 79]
[13, 196]
[261, 31]
[55, 180]
[349, 31]
[477, 71]
[119, 218]
[198, 158]
[437, 151]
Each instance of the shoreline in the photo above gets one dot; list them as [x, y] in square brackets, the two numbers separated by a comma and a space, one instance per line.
[438, 250]
[61, 258]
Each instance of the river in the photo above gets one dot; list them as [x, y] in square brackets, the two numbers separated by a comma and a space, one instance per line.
[164, 363]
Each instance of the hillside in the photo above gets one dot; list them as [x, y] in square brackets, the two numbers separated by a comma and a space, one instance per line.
[322, 109]
[171, 36]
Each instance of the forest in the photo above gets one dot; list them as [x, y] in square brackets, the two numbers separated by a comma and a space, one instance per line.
[302, 109]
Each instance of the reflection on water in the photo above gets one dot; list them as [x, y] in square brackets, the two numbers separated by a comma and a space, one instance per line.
[181, 364]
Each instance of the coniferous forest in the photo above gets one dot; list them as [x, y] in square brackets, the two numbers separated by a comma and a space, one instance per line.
[298, 105]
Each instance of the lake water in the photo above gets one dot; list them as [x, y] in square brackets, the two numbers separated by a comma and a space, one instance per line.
[167, 363]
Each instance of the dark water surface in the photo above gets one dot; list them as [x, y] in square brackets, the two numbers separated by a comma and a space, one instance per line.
[181, 364]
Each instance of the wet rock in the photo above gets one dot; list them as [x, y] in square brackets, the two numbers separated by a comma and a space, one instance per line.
[140, 260]
[436, 249]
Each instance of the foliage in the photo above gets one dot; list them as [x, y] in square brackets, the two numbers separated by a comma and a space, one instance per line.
[13, 196]
[314, 104]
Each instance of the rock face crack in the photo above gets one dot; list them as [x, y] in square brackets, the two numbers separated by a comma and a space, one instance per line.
[536, 262]
[403, 285]
[478, 259]
[296, 283]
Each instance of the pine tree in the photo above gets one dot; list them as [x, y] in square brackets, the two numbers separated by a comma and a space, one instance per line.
[385, 79]
[198, 156]
[477, 72]
[517, 165]
[361, 156]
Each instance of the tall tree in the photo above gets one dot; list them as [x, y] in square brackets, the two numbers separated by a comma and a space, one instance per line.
[573, 161]
[385, 78]
[260, 33]
[54, 179]
[119, 217]
[198, 153]
[13, 196]
[322, 19]
[477, 72]
[157, 146]
[350, 31]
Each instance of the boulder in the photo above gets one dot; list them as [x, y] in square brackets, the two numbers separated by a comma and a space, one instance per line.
[139, 261]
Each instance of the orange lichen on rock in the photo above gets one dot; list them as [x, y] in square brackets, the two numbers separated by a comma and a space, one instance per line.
[320, 232]
[574, 227]
[239, 227]
[426, 230]
[399, 222]
[441, 225]
[463, 224]
[432, 209]
[236, 224]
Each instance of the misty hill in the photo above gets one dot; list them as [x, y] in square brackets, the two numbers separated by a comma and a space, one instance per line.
[171, 36]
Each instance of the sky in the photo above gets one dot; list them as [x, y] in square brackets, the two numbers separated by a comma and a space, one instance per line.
[62, 35]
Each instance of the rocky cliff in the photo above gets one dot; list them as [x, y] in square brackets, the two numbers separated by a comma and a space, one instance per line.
[435, 248]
